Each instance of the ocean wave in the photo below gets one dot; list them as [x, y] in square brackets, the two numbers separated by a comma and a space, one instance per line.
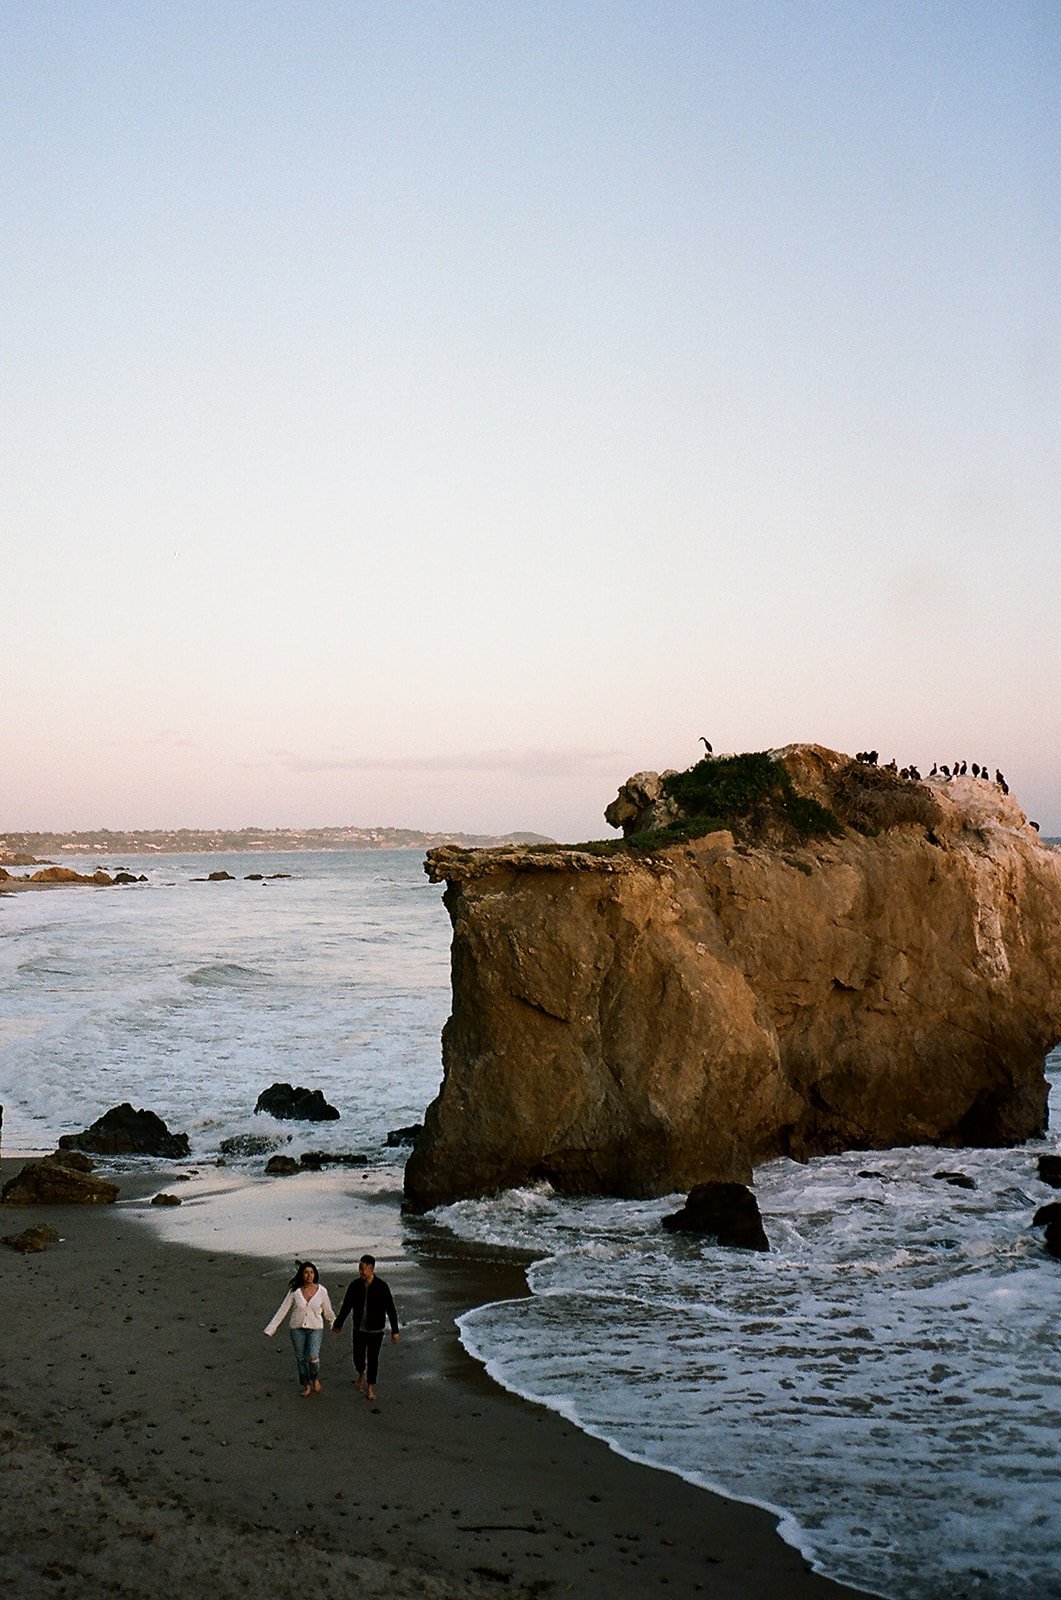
[223, 975]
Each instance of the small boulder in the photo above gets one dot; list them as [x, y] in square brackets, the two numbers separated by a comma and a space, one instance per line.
[1051, 1212]
[729, 1212]
[31, 1240]
[166, 1200]
[957, 1180]
[1052, 1238]
[295, 1105]
[281, 1167]
[409, 1135]
[253, 877]
[1050, 1170]
[126, 877]
[121, 1131]
[50, 1183]
[252, 1144]
[219, 877]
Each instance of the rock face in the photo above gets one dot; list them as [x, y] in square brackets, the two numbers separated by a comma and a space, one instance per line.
[728, 1212]
[121, 1131]
[635, 1023]
[52, 1182]
[295, 1105]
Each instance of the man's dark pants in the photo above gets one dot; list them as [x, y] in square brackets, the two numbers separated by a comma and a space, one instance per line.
[367, 1345]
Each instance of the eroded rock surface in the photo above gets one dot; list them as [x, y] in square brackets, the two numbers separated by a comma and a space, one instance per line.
[640, 1023]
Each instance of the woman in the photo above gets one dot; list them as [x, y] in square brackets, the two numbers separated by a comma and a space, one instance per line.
[307, 1300]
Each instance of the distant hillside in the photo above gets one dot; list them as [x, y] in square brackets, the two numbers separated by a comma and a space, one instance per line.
[173, 841]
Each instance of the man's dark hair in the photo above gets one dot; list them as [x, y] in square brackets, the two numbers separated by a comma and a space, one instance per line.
[367, 1261]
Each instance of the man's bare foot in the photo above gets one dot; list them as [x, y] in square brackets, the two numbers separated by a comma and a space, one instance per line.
[305, 1392]
[370, 1393]
[359, 1381]
[316, 1386]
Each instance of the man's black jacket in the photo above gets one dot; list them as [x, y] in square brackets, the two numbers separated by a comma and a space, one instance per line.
[375, 1300]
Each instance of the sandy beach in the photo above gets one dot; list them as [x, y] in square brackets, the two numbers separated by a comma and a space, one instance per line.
[155, 1443]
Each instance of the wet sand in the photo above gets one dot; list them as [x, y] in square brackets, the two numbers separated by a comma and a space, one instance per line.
[154, 1443]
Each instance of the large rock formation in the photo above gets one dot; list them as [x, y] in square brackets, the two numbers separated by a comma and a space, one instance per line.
[857, 961]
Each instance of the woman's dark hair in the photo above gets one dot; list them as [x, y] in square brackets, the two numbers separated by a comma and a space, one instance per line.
[300, 1267]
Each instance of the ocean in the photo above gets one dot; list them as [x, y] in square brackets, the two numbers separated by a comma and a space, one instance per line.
[887, 1378]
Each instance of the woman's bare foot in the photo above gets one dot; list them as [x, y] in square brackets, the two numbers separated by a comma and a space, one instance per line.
[359, 1381]
[316, 1386]
[305, 1392]
[370, 1393]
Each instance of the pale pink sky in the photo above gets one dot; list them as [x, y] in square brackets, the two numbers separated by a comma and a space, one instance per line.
[427, 415]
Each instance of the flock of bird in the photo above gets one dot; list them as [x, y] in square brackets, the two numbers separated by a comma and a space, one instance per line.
[871, 758]
[959, 769]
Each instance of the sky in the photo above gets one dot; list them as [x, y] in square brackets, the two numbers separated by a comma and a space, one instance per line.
[428, 413]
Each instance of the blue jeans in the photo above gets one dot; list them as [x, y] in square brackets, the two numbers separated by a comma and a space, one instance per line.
[307, 1343]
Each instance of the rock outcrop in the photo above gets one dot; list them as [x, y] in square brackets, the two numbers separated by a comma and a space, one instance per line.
[295, 1104]
[854, 961]
[726, 1212]
[121, 1131]
[53, 1182]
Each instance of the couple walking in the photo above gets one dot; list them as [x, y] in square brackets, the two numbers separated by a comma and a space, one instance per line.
[367, 1301]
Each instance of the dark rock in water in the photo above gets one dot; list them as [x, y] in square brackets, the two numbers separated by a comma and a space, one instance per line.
[166, 1200]
[281, 1166]
[253, 877]
[1052, 1239]
[727, 1211]
[279, 874]
[128, 877]
[31, 1240]
[1050, 1170]
[868, 1174]
[220, 877]
[121, 1131]
[252, 1144]
[295, 1105]
[52, 1183]
[407, 1135]
[957, 1180]
[1051, 1212]
[313, 1160]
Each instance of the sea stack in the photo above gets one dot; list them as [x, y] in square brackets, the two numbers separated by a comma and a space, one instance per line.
[802, 954]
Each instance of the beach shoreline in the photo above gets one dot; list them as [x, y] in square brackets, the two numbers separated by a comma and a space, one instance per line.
[142, 1408]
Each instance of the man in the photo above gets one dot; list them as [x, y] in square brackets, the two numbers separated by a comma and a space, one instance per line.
[371, 1304]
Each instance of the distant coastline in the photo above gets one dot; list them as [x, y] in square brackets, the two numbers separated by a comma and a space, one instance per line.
[23, 848]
